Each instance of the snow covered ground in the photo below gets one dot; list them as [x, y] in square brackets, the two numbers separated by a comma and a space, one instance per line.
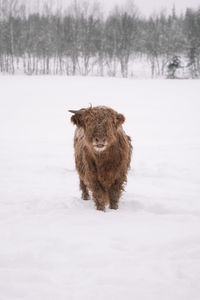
[53, 245]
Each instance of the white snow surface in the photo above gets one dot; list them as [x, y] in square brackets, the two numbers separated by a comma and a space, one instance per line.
[53, 245]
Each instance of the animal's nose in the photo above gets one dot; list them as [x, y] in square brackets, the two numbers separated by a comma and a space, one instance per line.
[100, 140]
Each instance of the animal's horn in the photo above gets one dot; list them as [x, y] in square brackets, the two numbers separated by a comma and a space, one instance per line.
[76, 111]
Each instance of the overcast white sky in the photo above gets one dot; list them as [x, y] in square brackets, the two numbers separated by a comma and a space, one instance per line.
[149, 6]
[146, 7]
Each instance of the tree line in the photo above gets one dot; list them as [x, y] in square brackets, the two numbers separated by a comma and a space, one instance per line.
[82, 41]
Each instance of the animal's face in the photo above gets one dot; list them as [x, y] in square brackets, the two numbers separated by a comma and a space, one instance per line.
[100, 126]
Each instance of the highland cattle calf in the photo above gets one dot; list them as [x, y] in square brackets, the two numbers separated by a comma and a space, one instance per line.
[102, 154]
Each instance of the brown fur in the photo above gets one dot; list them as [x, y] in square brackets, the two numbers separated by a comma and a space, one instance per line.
[103, 172]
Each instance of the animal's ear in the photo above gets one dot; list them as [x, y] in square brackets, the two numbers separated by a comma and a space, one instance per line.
[120, 119]
[77, 118]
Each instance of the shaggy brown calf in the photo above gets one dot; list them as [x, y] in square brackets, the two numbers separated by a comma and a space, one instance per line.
[102, 154]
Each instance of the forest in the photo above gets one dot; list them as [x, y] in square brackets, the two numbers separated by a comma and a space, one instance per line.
[82, 40]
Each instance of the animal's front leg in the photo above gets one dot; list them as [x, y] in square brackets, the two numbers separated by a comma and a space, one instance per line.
[115, 193]
[100, 196]
[100, 200]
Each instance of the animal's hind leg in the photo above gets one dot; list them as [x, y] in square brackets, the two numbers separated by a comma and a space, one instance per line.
[84, 189]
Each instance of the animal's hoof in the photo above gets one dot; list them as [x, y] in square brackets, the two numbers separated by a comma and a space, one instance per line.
[113, 206]
[86, 198]
[101, 208]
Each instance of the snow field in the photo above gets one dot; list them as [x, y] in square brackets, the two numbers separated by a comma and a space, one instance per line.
[53, 245]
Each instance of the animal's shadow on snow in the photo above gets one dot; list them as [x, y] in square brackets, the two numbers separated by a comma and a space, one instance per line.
[131, 204]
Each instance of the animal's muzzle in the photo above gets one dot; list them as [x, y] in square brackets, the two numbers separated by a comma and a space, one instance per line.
[99, 142]
[100, 145]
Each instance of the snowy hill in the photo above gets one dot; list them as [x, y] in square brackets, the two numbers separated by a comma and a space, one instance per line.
[55, 245]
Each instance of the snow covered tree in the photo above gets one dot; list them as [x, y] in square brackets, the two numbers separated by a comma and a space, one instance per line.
[192, 33]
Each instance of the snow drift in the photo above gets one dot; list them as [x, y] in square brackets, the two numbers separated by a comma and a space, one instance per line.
[55, 245]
